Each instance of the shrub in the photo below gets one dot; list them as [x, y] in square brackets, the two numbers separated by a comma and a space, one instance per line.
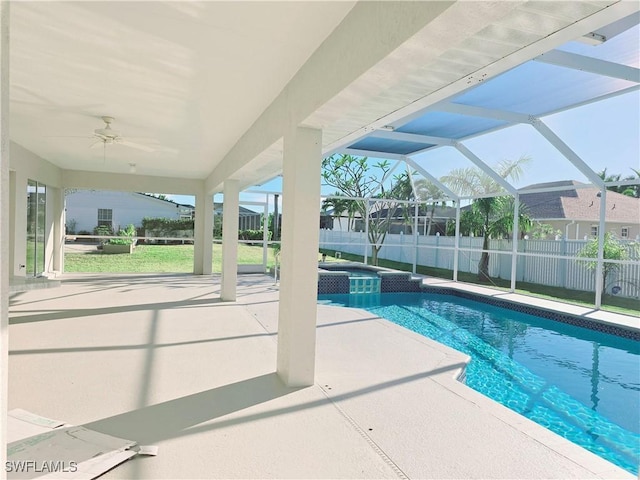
[103, 230]
[613, 249]
[166, 226]
[127, 236]
[71, 226]
[252, 235]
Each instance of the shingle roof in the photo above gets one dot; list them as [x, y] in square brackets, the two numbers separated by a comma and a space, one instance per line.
[243, 212]
[579, 203]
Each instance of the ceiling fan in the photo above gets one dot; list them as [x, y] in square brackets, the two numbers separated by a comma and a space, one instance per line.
[108, 136]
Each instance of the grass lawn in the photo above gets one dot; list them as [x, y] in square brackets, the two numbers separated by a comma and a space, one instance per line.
[156, 259]
[179, 259]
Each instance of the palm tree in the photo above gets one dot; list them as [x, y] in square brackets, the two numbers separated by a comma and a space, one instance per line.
[338, 205]
[489, 216]
[429, 192]
[629, 190]
[422, 190]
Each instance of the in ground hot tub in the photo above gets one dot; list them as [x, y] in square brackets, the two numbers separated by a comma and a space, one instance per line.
[358, 278]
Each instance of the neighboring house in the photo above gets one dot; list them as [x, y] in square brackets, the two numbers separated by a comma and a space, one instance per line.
[340, 221]
[576, 211]
[248, 219]
[431, 220]
[87, 209]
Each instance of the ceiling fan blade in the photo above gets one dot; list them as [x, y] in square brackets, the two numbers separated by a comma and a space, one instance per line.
[67, 136]
[138, 146]
[96, 144]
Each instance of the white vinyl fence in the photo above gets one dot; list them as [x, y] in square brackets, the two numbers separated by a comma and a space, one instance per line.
[539, 261]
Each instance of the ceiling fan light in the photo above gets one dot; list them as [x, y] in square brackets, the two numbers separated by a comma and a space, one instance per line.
[106, 132]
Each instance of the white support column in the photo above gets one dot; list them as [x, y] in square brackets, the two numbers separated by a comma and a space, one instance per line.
[265, 233]
[300, 241]
[18, 229]
[514, 249]
[57, 204]
[5, 205]
[456, 249]
[230, 219]
[415, 236]
[12, 222]
[601, 231]
[203, 235]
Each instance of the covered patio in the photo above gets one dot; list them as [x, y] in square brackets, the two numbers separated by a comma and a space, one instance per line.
[205, 97]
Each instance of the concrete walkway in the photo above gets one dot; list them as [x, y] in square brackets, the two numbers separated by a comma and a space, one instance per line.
[160, 360]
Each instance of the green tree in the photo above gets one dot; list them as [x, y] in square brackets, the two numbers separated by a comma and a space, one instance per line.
[339, 207]
[357, 177]
[613, 249]
[429, 193]
[542, 231]
[488, 216]
[629, 190]
[421, 190]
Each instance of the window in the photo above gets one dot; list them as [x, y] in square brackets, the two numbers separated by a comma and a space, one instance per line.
[105, 217]
[624, 233]
[594, 230]
[36, 227]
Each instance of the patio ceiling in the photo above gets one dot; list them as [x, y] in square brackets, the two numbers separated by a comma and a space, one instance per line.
[185, 78]
[205, 84]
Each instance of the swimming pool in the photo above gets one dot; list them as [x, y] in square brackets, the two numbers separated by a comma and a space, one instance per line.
[579, 383]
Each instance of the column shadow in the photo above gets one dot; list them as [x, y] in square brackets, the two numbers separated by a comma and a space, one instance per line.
[168, 419]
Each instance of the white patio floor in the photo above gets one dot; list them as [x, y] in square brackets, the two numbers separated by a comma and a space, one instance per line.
[160, 360]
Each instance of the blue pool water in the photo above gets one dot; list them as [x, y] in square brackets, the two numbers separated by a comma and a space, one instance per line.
[579, 383]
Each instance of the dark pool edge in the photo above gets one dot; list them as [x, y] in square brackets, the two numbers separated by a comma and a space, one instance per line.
[550, 314]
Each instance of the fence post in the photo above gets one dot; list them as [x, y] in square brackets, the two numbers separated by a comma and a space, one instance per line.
[366, 231]
[565, 262]
[456, 248]
[415, 238]
[600, 264]
[265, 233]
[514, 245]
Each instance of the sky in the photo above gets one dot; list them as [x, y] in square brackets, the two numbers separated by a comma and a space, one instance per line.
[604, 134]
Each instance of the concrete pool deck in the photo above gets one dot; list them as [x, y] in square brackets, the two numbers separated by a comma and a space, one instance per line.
[160, 360]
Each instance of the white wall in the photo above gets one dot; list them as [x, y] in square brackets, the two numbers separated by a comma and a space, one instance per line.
[577, 230]
[25, 166]
[128, 208]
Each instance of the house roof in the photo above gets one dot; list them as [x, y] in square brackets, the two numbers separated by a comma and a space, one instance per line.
[438, 212]
[244, 212]
[579, 203]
